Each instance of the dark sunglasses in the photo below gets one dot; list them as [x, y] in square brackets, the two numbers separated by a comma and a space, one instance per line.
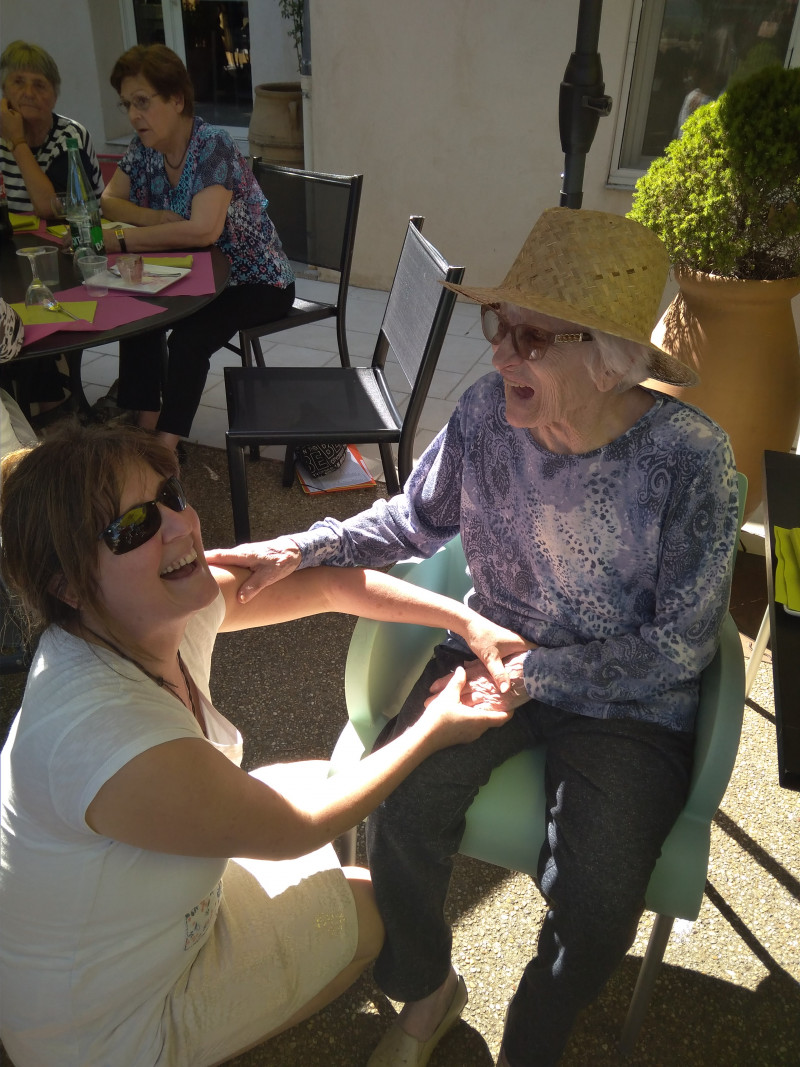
[143, 521]
[529, 341]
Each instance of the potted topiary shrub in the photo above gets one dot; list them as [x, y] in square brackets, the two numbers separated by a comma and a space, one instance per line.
[725, 199]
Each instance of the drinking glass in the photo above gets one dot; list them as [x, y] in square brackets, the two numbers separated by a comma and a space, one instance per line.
[37, 292]
[93, 269]
[58, 206]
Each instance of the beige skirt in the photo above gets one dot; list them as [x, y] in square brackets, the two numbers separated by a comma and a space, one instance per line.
[284, 931]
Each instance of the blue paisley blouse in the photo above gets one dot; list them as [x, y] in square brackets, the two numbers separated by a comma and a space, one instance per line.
[249, 238]
[617, 562]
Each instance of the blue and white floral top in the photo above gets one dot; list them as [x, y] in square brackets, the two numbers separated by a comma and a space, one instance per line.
[616, 562]
[249, 238]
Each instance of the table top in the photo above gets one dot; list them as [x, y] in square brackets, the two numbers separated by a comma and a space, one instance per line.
[782, 508]
[14, 278]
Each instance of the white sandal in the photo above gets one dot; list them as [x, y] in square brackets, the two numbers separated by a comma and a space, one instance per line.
[399, 1049]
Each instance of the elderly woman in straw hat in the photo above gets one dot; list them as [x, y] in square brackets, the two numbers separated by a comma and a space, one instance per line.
[599, 519]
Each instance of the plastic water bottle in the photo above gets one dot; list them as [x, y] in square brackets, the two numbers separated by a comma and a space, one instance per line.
[81, 207]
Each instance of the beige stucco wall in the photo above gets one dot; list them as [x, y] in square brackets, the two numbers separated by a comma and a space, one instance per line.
[450, 109]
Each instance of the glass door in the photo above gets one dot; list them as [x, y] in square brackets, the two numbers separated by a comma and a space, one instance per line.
[213, 39]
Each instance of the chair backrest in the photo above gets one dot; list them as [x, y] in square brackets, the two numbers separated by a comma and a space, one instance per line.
[314, 213]
[414, 326]
[108, 165]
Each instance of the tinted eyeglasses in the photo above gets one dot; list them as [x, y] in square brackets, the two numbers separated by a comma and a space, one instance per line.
[143, 521]
[529, 341]
[139, 102]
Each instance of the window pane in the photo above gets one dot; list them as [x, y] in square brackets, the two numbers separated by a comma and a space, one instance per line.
[686, 53]
[217, 39]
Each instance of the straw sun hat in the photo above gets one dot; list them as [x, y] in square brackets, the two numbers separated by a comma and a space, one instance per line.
[599, 271]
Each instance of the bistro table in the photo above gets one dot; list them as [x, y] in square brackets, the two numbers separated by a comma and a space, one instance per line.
[14, 279]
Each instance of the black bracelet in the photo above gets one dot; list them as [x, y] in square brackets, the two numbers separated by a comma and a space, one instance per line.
[119, 233]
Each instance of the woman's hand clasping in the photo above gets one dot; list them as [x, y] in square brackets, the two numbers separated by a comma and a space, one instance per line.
[493, 644]
[453, 722]
[480, 692]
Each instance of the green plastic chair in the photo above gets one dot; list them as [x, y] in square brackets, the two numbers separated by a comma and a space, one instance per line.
[505, 823]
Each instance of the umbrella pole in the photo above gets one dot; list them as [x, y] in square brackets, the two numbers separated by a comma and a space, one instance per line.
[581, 102]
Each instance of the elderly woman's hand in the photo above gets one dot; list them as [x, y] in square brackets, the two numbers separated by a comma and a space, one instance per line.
[269, 561]
[12, 125]
[480, 691]
[492, 644]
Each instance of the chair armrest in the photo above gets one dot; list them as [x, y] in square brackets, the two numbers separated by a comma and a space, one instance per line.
[719, 723]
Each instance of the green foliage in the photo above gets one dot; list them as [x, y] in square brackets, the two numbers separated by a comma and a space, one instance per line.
[725, 197]
[292, 11]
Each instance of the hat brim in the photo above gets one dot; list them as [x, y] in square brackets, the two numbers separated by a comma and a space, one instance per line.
[663, 367]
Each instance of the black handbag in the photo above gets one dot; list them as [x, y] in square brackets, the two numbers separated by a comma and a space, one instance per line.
[320, 460]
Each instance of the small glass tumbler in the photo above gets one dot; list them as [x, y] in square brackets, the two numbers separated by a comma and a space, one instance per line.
[47, 266]
[93, 269]
[131, 268]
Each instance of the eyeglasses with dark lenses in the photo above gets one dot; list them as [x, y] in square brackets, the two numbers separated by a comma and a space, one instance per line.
[143, 521]
[529, 341]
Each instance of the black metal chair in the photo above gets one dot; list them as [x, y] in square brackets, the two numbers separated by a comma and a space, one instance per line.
[315, 215]
[348, 405]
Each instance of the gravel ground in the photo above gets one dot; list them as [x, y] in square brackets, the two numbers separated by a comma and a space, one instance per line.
[728, 993]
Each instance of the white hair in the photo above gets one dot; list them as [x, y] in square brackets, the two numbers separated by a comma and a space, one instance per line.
[625, 360]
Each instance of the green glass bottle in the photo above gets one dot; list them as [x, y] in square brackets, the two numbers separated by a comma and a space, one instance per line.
[81, 207]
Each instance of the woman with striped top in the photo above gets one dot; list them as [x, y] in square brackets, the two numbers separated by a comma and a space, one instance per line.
[34, 162]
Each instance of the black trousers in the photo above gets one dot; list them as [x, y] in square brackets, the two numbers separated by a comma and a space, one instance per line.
[613, 788]
[38, 380]
[191, 345]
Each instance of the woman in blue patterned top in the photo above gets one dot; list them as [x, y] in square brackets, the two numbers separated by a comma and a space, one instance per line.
[599, 521]
[184, 184]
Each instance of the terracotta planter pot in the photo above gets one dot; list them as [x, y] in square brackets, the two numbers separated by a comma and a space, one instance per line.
[740, 338]
[276, 125]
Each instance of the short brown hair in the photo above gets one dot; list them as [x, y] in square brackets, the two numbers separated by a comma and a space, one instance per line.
[162, 67]
[56, 498]
[22, 55]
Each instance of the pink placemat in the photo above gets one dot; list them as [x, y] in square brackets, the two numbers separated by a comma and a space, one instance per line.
[112, 311]
[198, 283]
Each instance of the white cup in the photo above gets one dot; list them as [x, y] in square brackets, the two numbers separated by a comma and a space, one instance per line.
[93, 269]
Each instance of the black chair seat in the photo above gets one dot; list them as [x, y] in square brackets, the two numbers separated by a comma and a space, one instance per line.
[350, 405]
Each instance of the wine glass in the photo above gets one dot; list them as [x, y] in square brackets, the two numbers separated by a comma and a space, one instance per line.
[58, 205]
[37, 293]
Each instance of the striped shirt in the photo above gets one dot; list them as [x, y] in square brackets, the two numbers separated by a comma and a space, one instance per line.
[53, 159]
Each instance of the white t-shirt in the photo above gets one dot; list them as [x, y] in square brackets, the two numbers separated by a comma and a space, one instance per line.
[94, 931]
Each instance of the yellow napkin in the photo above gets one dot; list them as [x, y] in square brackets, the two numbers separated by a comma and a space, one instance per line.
[58, 229]
[168, 261]
[23, 222]
[39, 316]
[787, 571]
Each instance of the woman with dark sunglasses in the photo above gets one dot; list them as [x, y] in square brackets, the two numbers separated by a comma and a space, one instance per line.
[130, 934]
